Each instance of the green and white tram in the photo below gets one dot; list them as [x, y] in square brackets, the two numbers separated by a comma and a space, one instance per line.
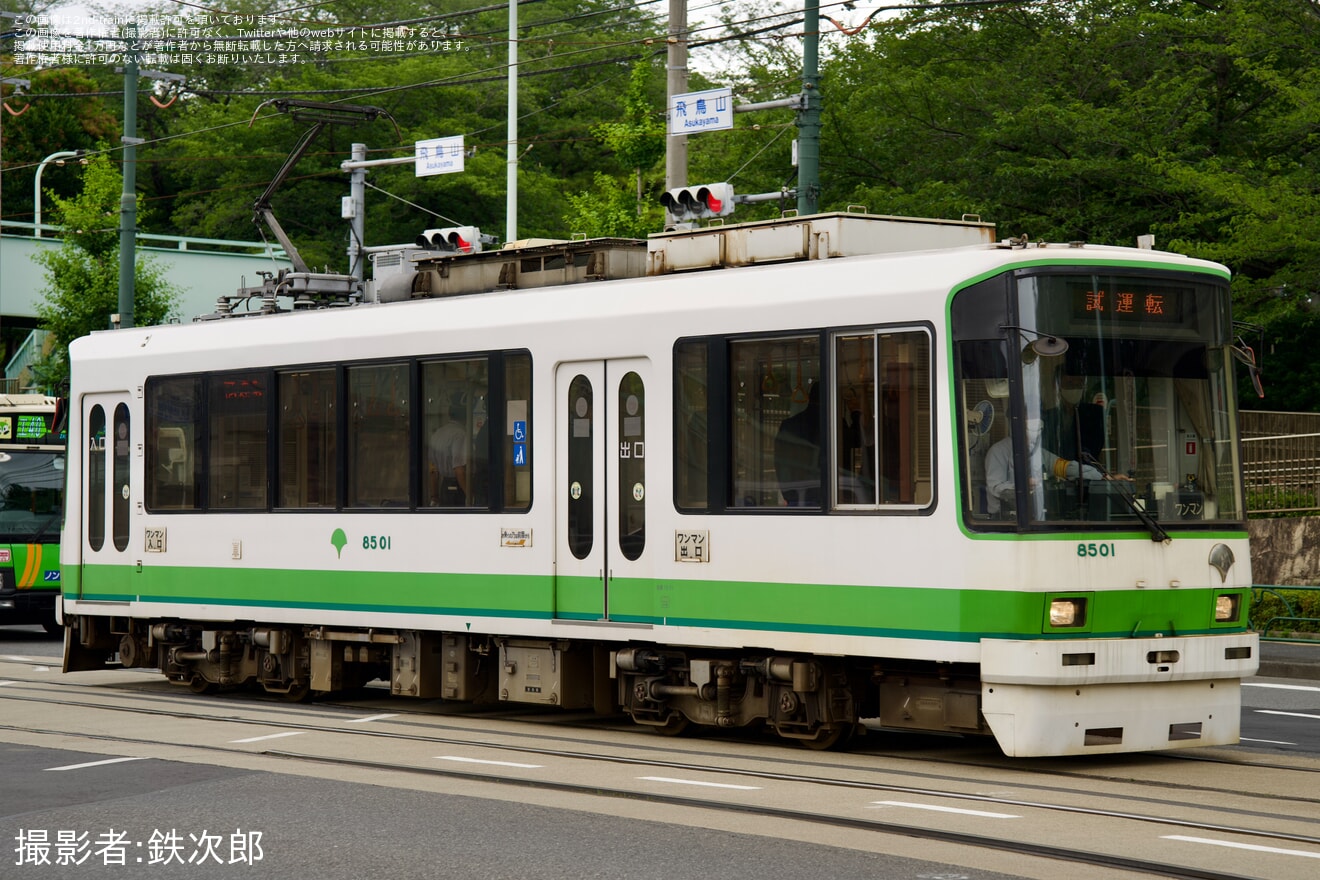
[808, 473]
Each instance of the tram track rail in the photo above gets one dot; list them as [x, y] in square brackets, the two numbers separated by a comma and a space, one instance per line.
[262, 712]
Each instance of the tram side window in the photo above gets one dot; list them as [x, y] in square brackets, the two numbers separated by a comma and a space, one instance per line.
[776, 430]
[691, 424]
[307, 447]
[456, 424]
[174, 425]
[239, 424]
[517, 441]
[379, 431]
[882, 419]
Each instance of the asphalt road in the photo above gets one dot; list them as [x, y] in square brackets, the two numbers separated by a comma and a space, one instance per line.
[69, 814]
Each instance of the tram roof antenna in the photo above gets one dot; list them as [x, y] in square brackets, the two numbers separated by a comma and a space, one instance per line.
[320, 114]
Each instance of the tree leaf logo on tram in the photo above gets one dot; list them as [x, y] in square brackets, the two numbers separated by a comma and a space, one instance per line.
[339, 540]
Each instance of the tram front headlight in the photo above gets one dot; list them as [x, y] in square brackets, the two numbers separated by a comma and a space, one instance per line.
[1227, 606]
[1068, 612]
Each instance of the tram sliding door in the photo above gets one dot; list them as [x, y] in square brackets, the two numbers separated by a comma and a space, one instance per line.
[103, 533]
[600, 484]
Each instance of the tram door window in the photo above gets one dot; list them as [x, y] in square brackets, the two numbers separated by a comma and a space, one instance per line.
[173, 428]
[632, 465]
[581, 466]
[307, 445]
[122, 489]
[776, 422]
[239, 427]
[379, 435]
[96, 474]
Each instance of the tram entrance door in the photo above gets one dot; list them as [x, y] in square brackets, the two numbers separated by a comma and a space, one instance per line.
[601, 490]
[104, 525]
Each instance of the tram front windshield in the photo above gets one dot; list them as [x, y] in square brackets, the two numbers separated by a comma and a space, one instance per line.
[1105, 398]
[31, 493]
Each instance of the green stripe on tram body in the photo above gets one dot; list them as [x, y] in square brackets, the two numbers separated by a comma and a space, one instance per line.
[964, 615]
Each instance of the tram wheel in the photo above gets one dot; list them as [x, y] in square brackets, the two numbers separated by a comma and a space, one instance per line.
[299, 692]
[676, 724]
[199, 685]
[836, 737]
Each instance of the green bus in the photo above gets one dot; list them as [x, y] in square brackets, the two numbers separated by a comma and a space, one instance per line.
[32, 454]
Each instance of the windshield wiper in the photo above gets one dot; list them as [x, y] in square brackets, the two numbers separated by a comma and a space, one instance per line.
[1157, 532]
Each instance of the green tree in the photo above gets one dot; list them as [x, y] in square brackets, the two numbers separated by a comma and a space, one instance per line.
[82, 289]
[50, 125]
[608, 209]
[638, 141]
[574, 59]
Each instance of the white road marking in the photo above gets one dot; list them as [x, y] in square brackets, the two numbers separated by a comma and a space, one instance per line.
[1289, 714]
[95, 763]
[1280, 687]
[18, 659]
[253, 739]
[3, 683]
[674, 781]
[491, 763]
[1251, 846]
[1268, 742]
[982, 813]
[373, 718]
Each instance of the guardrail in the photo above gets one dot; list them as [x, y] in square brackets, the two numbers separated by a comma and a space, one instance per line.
[163, 242]
[1265, 619]
[1280, 461]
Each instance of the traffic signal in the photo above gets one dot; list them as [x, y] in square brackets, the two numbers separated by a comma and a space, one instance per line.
[699, 202]
[454, 239]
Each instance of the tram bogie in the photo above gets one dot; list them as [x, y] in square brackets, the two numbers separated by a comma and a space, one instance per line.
[800, 698]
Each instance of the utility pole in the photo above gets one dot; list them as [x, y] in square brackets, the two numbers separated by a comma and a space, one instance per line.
[676, 152]
[808, 120]
[128, 201]
[356, 211]
[511, 171]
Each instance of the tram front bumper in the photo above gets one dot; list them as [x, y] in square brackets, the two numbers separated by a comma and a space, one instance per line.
[1087, 696]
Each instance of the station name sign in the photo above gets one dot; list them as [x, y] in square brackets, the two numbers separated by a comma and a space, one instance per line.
[692, 112]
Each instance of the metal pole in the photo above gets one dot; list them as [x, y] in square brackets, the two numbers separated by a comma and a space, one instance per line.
[808, 120]
[511, 171]
[676, 153]
[357, 223]
[36, 186]
[128, 201]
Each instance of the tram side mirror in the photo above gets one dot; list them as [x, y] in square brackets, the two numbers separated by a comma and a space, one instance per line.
[1244, 354]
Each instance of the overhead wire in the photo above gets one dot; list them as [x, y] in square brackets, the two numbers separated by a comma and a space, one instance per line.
[499, 71]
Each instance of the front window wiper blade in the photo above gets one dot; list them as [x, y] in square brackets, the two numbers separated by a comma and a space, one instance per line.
[1157, 532]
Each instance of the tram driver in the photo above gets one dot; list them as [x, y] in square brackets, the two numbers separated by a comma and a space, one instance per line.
[1001, 491]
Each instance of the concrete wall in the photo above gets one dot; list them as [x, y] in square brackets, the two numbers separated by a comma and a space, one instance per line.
[1285, 551]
